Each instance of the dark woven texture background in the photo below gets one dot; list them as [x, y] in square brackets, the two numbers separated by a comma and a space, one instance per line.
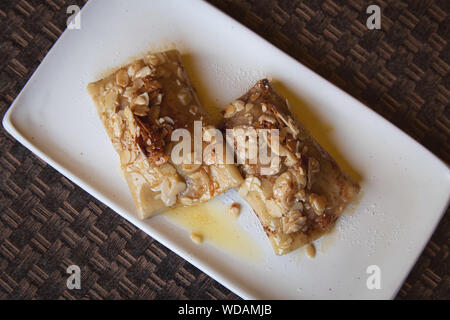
[47, 223]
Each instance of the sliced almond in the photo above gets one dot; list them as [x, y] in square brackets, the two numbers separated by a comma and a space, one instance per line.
[122, 78]
[318, 203]
[239, 105]
[145, 71]
[141, 110]
[230, 110]
[196, 238]
[248, 107]
[235, 209]
[142, 99]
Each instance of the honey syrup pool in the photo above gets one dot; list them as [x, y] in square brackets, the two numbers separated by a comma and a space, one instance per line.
[214, 222]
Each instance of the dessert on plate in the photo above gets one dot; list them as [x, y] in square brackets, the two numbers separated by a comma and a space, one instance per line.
[140, 106]
[300, 191]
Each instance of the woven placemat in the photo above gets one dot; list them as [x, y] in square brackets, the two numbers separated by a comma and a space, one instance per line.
[47, 223]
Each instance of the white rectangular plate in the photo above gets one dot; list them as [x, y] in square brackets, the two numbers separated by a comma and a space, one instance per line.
[405, 189]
